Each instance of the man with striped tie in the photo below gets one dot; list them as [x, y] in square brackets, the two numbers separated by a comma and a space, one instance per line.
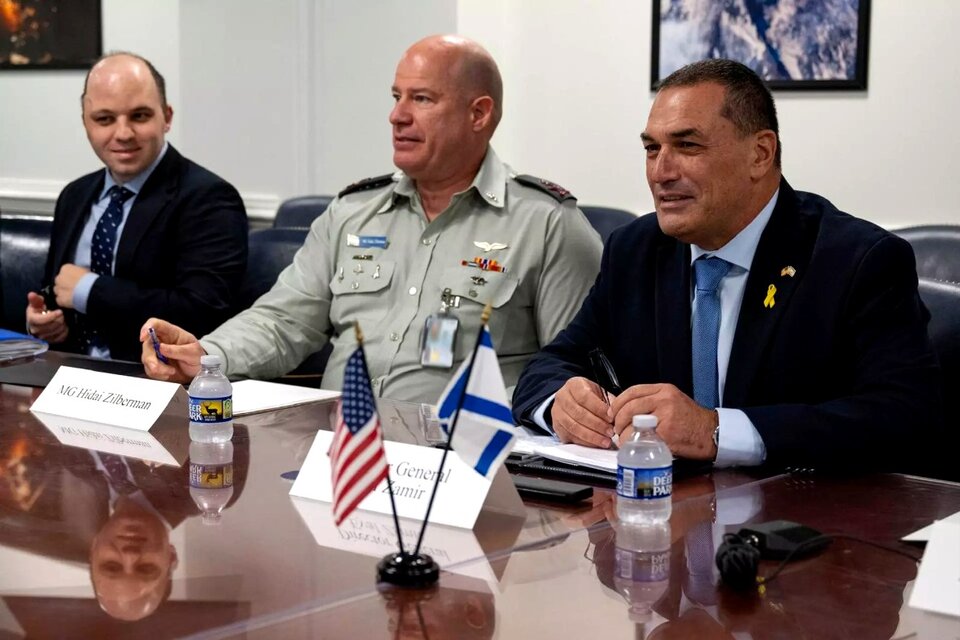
[151, 234]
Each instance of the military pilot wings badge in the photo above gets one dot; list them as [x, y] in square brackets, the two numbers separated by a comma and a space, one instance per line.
[489, 246]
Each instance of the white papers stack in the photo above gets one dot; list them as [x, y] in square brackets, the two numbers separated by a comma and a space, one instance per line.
[572, 454]
[254, 396]
[938, 582]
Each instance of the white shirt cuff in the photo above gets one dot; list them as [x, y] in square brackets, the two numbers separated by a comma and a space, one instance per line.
[740, 443]
[538, 418]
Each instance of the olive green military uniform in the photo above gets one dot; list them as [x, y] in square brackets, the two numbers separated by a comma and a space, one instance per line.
[373, 258]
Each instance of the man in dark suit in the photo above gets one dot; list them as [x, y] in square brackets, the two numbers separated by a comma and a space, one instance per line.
[152, 234]
[757, 323]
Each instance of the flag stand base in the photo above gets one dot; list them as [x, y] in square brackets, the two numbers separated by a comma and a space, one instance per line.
[408, 571]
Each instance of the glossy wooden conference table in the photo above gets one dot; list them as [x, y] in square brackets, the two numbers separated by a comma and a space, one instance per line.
[261, 572]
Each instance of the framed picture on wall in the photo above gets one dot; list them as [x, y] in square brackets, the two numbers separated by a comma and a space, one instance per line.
[49, 34]
[792, 44]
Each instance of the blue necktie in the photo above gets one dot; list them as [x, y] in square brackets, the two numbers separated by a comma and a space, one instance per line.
[117, 474]
[105, 235]
[706, 330]
[101, 251]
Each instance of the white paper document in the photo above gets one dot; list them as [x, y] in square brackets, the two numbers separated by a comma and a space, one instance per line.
[254, 396]
[923, 535]
[573, 454]
[938, 582]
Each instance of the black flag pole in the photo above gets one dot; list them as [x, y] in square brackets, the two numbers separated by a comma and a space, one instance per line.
[484, 317]
[418, 570]
[393, 504]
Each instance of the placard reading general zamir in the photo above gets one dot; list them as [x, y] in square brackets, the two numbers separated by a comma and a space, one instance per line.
[120, 401]
[461, 495]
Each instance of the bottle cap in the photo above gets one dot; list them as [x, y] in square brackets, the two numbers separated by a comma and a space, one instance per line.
[210, 517]
[645, 421]
[210, 361]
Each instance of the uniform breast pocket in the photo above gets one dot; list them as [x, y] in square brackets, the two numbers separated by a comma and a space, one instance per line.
[358, 288]
[481, 287]
[472, 289]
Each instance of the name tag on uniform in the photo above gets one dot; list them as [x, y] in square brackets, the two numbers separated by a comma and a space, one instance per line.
[380, 242]
[439, 338]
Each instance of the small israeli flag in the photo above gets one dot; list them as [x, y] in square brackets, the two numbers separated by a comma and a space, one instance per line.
[485, 430]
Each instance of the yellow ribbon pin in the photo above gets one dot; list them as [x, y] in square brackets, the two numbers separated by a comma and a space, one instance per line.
[768, 302]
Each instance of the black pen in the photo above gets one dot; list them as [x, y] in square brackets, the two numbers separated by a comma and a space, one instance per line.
[606, 379]
[156, 346]
[604, 374]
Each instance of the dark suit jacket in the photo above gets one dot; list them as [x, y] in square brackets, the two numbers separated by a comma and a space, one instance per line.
[181, 256]
[839, 372]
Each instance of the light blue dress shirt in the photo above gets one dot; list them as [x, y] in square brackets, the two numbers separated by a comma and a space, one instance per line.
[81, 257]
[740, 443]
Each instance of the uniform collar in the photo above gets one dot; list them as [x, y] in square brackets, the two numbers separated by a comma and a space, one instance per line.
[490, 183]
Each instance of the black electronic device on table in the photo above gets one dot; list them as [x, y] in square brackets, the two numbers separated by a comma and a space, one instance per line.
[776, 540]
[550, 490]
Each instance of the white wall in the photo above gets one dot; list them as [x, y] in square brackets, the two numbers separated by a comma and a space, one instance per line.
[357, 48]
[42, 143]
[577, 97]
[292, 97]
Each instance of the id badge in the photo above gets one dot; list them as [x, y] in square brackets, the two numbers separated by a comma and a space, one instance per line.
[439, 338]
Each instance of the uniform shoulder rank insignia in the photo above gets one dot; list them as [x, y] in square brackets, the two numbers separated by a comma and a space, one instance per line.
[367, 184]
[550, 188]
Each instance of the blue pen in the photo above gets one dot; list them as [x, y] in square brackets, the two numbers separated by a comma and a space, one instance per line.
[156, 346]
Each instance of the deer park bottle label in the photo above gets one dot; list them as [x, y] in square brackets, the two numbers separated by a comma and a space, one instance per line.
[211, 409]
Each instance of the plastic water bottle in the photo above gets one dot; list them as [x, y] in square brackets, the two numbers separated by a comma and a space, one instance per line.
[642, 567]
[211, 478]
[644, 475]
[211, 403]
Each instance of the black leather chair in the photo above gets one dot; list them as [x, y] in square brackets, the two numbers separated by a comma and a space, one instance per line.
[937, 248]
[300, 212]
[24, 243]
[942, 299]
[606, 219]
[270, 252]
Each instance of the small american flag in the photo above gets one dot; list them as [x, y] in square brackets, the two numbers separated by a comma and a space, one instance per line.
[356, 455]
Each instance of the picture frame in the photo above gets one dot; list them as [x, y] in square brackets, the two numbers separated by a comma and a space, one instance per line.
[50, 34]
[832, 36]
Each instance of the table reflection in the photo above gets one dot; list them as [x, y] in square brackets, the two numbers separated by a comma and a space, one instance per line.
[456, 608]
[112, 513]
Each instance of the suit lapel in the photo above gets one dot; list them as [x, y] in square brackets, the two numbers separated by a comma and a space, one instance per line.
[783, 244]
[156, 194]
[76, 218]
[673, 315]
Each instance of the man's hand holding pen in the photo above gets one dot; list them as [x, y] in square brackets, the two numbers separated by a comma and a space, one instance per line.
[580, 414]
[595, 413]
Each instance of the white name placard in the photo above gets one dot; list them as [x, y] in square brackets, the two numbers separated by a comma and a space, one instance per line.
[106, 398]
[461, 494]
